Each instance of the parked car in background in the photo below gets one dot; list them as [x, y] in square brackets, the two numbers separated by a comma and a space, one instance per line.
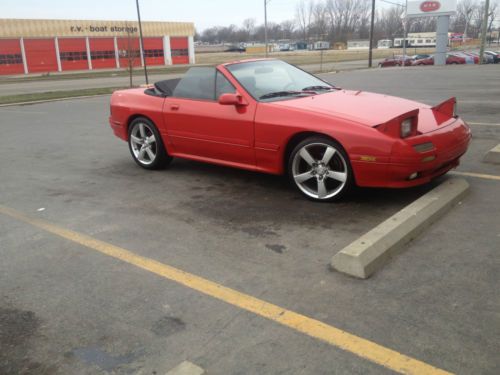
[285, 47]
[487, 59]
[397, 60]
[235, 48]
[494, 55]
[450, 59]
[427, 61]
[420, 56]
[470, 58]
[421, 60]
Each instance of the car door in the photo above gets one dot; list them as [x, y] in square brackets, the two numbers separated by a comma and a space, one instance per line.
[198, 126]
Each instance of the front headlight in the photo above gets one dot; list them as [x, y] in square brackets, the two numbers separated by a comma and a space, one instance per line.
[406, 127]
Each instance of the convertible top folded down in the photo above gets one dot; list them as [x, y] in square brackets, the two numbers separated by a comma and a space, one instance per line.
[163, 88]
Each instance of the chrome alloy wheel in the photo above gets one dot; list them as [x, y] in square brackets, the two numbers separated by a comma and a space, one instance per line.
[320, 170]
[143, 143]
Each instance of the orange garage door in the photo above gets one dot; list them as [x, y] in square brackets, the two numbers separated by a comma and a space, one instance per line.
[102, 52]
[128, 48]
[73, 53]
[153, 51]
[11, 59]
[40, 55]
[179, 47]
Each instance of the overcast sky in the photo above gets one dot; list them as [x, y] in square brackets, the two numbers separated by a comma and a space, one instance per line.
[204, 13]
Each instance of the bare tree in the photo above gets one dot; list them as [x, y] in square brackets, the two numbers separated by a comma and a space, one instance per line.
[304, 15]
[492, 15]
[364, 12]
[131, 53]
[319, 25]
[465, 12]
[249, 27]
[347, 18]
[287, 28]
[341, 20]
[389, 23]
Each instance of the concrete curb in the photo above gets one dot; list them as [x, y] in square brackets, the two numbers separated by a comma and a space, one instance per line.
[493, 156]
[368, 253]
[52, 100]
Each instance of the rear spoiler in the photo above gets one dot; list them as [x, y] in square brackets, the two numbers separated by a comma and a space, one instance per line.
[448, 107]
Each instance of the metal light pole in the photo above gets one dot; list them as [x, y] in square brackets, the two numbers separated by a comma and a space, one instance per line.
[484, 30]
[370, 54]
[404, 38]
[405, 29]
[265, 25]
[142, 42]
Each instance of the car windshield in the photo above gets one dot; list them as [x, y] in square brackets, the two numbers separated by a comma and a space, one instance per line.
[271, 80]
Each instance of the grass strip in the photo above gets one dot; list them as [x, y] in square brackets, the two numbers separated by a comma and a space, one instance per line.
[204, 59]
[24, 98]
[94, 74]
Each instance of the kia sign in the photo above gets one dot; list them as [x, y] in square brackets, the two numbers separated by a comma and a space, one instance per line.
[430, 6]
[423, 8]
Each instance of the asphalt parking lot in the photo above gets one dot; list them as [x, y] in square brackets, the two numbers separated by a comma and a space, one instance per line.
[67, 308]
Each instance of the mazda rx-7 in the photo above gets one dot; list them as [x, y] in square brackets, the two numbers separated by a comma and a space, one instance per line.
[269, 116]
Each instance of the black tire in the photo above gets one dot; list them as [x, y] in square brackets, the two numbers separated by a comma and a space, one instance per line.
[333, 173]
[140, 130]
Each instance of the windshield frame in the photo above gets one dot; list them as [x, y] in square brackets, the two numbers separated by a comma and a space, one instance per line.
[279, 98]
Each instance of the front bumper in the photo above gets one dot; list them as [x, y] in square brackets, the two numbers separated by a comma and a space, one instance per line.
[450, 143]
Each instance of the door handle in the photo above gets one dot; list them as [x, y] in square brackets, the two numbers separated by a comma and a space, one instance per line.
[174, 107]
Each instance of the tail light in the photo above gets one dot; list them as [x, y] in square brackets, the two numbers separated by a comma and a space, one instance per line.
[403, 126]
[406, 127]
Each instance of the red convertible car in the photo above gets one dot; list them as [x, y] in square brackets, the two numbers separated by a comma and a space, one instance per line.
[272, 117]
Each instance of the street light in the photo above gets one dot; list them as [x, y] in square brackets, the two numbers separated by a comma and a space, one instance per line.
[142, 42]
[404, 21]
[405, 32]
[265, 25]
[371, 35]
[484, 30]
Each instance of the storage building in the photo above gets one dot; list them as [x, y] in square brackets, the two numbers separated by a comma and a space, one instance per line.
[42, 46]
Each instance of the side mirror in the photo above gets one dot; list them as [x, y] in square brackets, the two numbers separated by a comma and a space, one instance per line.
[232, 99]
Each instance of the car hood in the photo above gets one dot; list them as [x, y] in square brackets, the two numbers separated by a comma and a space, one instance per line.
[360, 106]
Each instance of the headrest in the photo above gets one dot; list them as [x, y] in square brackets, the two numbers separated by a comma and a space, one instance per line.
[167, 86]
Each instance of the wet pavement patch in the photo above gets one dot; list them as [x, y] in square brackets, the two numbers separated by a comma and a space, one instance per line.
[93, 355]
[166, 326]
[17, 327]
[258, 231]
[276, 248]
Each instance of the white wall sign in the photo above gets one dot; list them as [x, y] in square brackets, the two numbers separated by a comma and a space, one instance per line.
[428, 8]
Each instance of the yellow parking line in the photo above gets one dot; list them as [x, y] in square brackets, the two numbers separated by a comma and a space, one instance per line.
[314, 328]
[478, 175]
